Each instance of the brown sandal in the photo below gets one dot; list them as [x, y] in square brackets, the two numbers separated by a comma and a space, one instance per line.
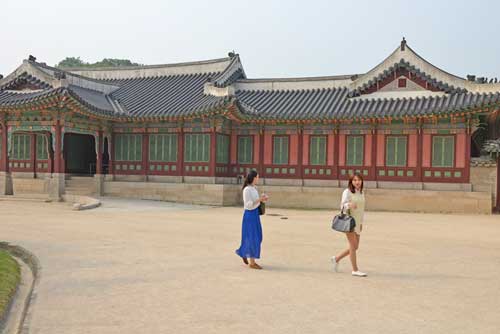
[255, 266]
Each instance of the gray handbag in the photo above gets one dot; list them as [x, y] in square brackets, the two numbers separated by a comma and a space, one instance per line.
[343, 222]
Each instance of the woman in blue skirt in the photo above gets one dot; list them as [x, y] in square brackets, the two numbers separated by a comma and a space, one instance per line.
[251, 231]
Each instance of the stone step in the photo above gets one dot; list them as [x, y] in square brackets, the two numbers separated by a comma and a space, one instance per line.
[79, 192]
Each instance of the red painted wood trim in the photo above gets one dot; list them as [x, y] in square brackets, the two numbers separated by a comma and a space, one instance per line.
[111, 161]
[336, 153]
[33, 153]
[374, 154]
[98, 166]
[261, 152]
[58, 154]
[468, 138]
[180, 152]
[145, 154]
[420, 144]
[213, 153]
[4, 166]
[300, 153]
[50, 154]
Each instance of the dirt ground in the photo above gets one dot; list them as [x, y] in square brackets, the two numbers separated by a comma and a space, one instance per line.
[148, 267]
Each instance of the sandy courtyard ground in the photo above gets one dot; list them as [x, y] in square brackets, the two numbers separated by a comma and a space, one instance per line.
[150, 267]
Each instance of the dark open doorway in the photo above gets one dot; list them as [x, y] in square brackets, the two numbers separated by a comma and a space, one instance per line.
[79, 154]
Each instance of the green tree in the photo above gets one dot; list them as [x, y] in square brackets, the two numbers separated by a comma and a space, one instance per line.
[106, 62]
[71, 62]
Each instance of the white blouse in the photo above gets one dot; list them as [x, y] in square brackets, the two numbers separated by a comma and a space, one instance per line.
[250, 198]
[346, 198]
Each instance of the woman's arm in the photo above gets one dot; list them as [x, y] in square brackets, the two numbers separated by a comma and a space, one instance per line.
[345, 202]
[251, 198]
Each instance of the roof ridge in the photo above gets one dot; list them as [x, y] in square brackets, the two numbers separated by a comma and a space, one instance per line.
[140, 67]
[298, 79]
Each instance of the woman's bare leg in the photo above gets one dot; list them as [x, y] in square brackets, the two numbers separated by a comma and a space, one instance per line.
[252, 260]
[353, 246]
[344, 253]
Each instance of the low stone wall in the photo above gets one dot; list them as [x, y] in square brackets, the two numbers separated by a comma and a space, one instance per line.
[307, 197]
[484, 178]
[429, 199]
[209, 194]
[29, 185]
[382, 200]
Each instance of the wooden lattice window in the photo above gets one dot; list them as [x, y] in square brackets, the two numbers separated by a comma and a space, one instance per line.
[21, 147]
[197, 147]
[42, 152]
[222, 151]
[128, 147]
[163, 147]
[317, 150]
[355, 150]
[245, 150]
[280, 150]
[443, 151]
[395, 151]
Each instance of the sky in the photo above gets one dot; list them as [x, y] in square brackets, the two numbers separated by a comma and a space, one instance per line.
[274, 38]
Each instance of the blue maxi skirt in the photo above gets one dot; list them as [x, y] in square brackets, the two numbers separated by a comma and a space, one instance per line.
[251, 235]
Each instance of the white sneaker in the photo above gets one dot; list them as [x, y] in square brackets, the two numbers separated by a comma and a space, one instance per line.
[335, 264]
[359, 274]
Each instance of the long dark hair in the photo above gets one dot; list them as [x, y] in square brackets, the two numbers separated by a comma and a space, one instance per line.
[351, 178]
[250, 177]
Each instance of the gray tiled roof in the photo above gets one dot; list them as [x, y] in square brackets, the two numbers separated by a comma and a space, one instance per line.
[168, 96]
[94, 100]
[23, 79]
[335, 104]
[232, 73]
[187, 89]
[11, 98]
[414, 71]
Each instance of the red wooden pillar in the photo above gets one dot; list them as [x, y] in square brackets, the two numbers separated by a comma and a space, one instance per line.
[420, 144]
[467, 155]
[50, 154]
[145, 155]
[99, 143]
[301, 154]
[58, 152]
[111, 150]
[33, 153]
[374, 154]
[4, 166]
[333, 152]
[180, 152]
[213, 152]
[336, 156]
[261, 151]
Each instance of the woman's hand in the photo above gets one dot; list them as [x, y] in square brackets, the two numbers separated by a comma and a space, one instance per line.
[353, 205]
[263, 198]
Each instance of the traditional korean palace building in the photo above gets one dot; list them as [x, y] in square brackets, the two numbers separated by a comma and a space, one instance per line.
[405, 124]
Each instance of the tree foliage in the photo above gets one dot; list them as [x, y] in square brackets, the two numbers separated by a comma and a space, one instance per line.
[106, 62]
